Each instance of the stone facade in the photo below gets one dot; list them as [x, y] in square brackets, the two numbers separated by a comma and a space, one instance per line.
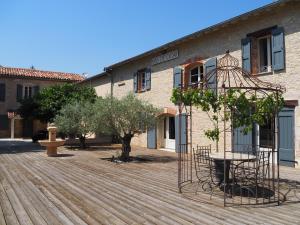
[11, 103]
[214, 44]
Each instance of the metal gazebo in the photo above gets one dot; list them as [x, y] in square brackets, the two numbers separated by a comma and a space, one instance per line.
[250, 169]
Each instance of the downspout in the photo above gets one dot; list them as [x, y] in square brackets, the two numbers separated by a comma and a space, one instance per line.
[109, 72]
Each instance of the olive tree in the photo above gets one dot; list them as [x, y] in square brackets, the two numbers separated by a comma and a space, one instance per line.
[124, 118]
[76, 119]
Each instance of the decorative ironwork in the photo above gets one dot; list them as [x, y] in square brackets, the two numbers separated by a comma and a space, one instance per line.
[243, 174]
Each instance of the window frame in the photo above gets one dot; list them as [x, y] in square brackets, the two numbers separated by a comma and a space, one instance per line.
[200, 75]
[269, 54]
[141, 81]
[29, 87]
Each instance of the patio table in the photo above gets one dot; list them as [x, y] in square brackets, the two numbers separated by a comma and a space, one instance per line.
[219, 160]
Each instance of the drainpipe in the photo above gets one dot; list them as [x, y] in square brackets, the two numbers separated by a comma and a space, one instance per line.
[109, 72]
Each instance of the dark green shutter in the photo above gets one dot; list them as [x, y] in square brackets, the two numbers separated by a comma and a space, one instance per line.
[211, 74]
[278, 53]
[180, 132]
[4, 122]
[2, 92]
[36, 89]
[148, 79]
[19, 92]
[151, 138]
[246, 54]
[135, 83]
[177, 77]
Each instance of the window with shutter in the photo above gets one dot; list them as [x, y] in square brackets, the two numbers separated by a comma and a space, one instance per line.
[142, 80]
[263, 51]
[2, 92]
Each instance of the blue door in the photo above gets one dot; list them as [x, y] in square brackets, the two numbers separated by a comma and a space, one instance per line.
[286, 137]
[151, 138]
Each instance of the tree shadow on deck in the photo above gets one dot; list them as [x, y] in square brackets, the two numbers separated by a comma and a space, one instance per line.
[289, 191]
[89, 147]
[143, 159]
[18, 146]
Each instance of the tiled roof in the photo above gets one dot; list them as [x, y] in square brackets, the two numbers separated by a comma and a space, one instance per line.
[39, 74]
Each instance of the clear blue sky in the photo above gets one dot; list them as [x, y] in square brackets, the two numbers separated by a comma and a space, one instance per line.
[86, 35]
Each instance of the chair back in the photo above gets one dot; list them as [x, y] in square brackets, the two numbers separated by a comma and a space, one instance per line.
[263, 163]
[201, 158]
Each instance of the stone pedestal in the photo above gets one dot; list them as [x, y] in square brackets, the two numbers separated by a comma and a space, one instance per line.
[51, 144]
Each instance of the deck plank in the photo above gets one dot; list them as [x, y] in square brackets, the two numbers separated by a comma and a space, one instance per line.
[83, 189]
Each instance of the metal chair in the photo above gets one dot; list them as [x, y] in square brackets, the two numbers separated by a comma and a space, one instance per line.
[204, 168]
[251, 176]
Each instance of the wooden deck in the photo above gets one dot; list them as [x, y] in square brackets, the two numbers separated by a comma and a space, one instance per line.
[81, 188]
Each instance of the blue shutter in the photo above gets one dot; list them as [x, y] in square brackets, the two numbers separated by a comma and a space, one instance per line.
[286, 136]
[177, 77]
[246, 54]
[180, 133]
[148, 79]
[243, 142]
[135, 83]
[2, 92]
[19, 92]
[278, 59]
[211, 77]
[151, 138]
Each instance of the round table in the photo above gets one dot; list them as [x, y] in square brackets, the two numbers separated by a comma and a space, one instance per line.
[221, 170]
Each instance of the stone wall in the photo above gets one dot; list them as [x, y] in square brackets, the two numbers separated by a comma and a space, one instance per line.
[12, 104]
[215, 44]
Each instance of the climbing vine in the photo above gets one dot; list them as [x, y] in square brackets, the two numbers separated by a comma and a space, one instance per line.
[243, 108]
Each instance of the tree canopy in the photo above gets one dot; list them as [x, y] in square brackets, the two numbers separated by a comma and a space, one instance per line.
[76, 119]
[49, 101]
[242, 108]
[125, 118]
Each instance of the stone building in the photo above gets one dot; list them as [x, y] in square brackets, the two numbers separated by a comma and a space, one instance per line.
[19, 83]
[266, 42]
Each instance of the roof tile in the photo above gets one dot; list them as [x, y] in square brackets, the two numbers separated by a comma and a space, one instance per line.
[33, 73]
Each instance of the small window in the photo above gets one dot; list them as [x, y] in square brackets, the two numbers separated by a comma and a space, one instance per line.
[28, 92]
[265, 134]
[142, 80]
[265, 54]
[196, 75]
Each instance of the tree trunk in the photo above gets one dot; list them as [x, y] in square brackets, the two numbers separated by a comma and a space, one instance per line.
[126, 148]
[82, 142]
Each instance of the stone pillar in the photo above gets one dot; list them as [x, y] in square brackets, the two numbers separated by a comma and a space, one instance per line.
[12, 128]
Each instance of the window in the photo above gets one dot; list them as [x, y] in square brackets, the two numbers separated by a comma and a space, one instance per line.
[27, 92]
[142, 80]
[266, 134]
[264, 51]
[264, 54]
[196, 74]
[2, 92]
